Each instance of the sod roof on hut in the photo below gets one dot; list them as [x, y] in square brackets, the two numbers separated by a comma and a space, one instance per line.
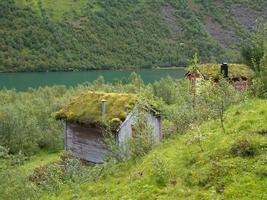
[234, 70]
[86, 108]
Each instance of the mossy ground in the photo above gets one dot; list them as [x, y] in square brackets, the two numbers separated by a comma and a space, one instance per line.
[201, 164]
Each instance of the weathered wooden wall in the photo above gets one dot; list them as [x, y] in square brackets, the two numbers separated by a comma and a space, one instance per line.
[155, 123]
[85, 142]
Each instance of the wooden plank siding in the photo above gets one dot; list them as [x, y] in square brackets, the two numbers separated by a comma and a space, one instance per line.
[86, 142]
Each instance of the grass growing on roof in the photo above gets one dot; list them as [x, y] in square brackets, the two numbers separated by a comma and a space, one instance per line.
[234, 70]
[86, 108]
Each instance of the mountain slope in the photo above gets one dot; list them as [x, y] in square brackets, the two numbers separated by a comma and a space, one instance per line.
[202, 164]
[41, 35]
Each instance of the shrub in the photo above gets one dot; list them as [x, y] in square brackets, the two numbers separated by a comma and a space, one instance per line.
[115, 153]
[243, 147]
[166, 89]
[254, 48]
[262, 132]
[160, 171]
[3, 152]
[142, 140]
[19, 159]
[217, 97]
[26, 120]
[68, 170]
[51, 176]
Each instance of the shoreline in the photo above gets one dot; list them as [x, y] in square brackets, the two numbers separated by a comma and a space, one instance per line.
[126, 69]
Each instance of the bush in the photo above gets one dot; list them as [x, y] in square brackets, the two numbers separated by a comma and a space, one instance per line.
[256, 55]
[4, 152]
[115, 153]
[217, 97]
[255, 47]
[262, 132]
[68, 170]
[243, 147]
[26, 120]
[142, 140]
[51, 176]
[19, 159]
[166, 89]
[160, 171]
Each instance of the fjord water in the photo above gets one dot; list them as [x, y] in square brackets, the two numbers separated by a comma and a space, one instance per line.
[23, 81]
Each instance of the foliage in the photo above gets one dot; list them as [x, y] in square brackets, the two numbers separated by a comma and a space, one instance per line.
[3, 152]
[14, 180]
[255, 47]
[259, 88]
[142, 140]
[26, 121]
[194, 63]
[178, 169]
[18, 159]
[14, 185]
[256, 54]
[42, 35]
[218, 97]
[136, 80]
[160, 171]
[263, 75]
[198, 161]
[244, 147]
[50, 177]
[115, 153]
[166, 89]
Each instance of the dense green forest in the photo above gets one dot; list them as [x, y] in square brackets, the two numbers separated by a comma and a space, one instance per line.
[42, 35]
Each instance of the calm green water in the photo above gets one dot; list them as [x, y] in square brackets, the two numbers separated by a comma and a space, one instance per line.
[23, 81]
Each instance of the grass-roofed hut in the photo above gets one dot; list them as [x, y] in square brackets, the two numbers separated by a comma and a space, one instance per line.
[239, 75]
[86, 115]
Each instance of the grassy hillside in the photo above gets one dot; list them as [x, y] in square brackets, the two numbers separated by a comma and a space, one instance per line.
[14, 176]
[41, 35]
[196, 162]
[201, 164]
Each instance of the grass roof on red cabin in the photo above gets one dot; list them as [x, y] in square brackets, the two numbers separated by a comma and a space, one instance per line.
[87, 108]
[234, 70]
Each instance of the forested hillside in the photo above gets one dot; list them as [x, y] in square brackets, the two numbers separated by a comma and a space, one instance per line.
[42, 35]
